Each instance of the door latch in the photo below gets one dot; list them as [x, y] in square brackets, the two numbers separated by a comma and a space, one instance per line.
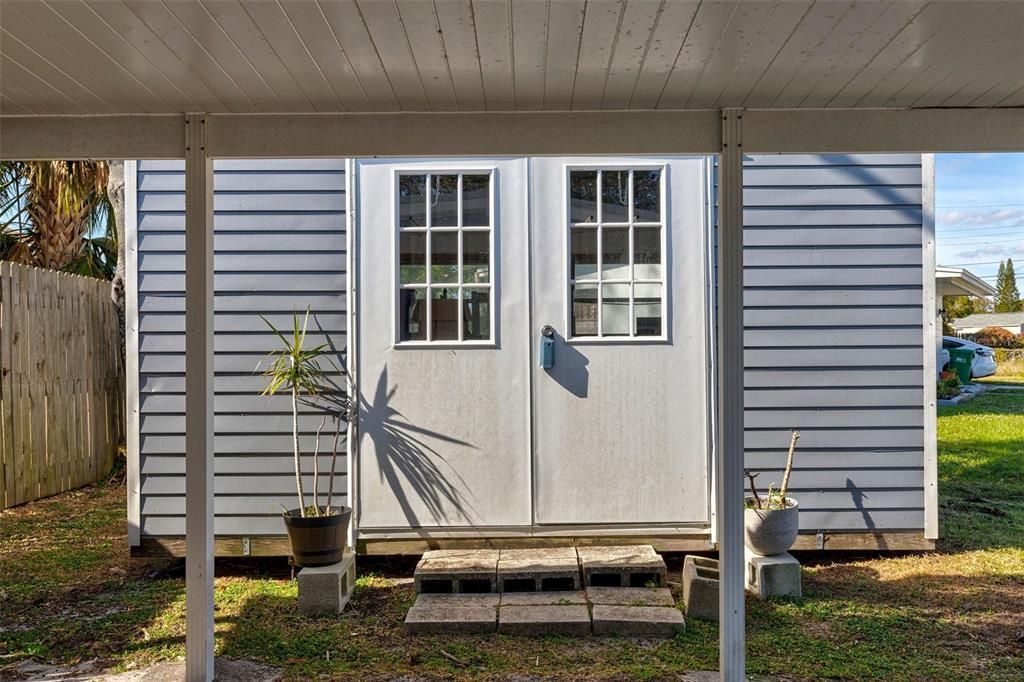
[547, 347]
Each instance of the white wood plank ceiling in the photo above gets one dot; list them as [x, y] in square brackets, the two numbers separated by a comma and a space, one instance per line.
[172, 56]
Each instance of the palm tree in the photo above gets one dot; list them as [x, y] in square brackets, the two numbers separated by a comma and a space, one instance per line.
[55, 214]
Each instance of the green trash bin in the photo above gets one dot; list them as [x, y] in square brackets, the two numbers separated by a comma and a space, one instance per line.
[960, 361]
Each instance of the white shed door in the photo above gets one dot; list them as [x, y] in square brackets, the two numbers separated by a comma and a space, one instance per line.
[619, 272]
[444, 349]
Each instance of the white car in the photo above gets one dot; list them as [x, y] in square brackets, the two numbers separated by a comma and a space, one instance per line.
[984, 363]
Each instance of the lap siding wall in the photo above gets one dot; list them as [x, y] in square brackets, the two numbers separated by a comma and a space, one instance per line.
[280, 246]
[833, 308]
[834, 317]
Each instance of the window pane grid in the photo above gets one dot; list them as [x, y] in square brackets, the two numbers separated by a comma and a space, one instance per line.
[445, 290]
[644, 319]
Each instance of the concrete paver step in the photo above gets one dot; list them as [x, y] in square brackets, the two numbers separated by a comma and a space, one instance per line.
[535, 570]
[570, 619]
[622, 566]
[457, 571]
[637, 621]
[630, 596]
[543, 598]
[610, 591]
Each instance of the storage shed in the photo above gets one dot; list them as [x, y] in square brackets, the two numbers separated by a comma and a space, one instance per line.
[432, 278]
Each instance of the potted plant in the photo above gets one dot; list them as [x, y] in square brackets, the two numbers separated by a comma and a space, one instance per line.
[771, 523]
[317, 533]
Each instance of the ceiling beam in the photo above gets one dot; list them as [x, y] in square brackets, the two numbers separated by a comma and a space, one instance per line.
[41, 138]
[811, 131]
[522, 133]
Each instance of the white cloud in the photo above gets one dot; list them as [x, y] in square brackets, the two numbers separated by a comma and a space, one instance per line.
[977, 217]
[990, 250]
[1019, 249]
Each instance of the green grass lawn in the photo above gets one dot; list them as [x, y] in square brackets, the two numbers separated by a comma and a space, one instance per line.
[1012, 379]
[70, 593]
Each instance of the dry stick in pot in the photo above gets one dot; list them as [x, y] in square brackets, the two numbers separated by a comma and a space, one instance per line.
[753, 488]
[316, 468]
[789, 467]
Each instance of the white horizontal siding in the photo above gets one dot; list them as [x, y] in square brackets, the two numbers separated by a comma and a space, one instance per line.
[279, 247]
[833, 313]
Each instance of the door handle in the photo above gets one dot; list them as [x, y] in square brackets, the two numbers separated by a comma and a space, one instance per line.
[547, 347]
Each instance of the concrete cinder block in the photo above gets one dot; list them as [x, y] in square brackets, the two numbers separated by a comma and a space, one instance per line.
[571, 620]
[700, 587]
[630, 596]
[543, 598]
[637, 621]
[441, 619]
[327, 589]
[773, 576]
[536, 570]
[457, 571]
[622, 566]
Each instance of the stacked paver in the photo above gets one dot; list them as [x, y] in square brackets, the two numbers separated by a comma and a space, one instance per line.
[611, 591]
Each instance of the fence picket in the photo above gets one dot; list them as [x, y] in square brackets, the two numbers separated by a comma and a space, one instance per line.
[61, 382]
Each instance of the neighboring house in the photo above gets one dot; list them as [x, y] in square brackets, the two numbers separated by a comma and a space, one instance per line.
[462, 436]
[972, 324]
[950, 281]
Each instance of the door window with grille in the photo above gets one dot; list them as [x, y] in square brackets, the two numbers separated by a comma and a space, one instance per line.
[616, 252]
[445, 258]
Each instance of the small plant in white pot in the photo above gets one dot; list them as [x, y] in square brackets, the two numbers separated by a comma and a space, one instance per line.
[771, 522]
[317, 533]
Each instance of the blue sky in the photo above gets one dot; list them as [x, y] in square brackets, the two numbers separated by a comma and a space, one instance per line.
[979, 212]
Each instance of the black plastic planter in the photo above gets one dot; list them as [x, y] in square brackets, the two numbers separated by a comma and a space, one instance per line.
[318, 540]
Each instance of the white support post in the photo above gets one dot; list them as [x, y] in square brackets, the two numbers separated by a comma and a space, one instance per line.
[198, 402]
[729, 473]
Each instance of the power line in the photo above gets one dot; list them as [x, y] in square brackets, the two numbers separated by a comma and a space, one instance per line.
[985, 262]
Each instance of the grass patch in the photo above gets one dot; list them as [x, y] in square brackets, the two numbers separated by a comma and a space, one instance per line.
[70, 593]
[1009, 379]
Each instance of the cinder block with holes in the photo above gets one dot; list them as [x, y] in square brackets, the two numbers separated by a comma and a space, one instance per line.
[325, 590]
[622, 566]
[700, 587]
[538, 570]
[455, 571]
[773, 576]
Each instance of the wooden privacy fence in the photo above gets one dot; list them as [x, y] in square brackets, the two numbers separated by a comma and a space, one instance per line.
[61, 382]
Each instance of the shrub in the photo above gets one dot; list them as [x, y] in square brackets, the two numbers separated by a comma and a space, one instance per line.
[948, 387]
[997, 337]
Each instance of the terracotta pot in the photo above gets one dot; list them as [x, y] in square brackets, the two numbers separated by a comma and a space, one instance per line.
[771, 531]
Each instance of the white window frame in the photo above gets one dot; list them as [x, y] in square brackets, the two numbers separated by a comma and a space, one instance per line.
[598, 225]
[458, 229]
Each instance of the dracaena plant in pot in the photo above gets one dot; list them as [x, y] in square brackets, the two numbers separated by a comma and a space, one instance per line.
[771, 521]
[317, 532]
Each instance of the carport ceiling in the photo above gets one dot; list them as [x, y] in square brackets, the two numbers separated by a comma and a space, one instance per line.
[170, 56]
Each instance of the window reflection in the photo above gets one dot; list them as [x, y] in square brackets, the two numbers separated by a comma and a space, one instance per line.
[614, 196]
[583, 196]
[444, 210]
[412, 200]
[476, 200]
[412, 323]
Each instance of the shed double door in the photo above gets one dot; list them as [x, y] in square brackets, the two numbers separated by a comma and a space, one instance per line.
[532, 342]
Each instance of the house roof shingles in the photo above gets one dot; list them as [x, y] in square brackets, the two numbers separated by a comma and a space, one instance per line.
[989, 320]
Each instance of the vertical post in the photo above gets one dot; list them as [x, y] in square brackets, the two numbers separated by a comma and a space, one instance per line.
[932, 323]
[729, 475]
[198, 402]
